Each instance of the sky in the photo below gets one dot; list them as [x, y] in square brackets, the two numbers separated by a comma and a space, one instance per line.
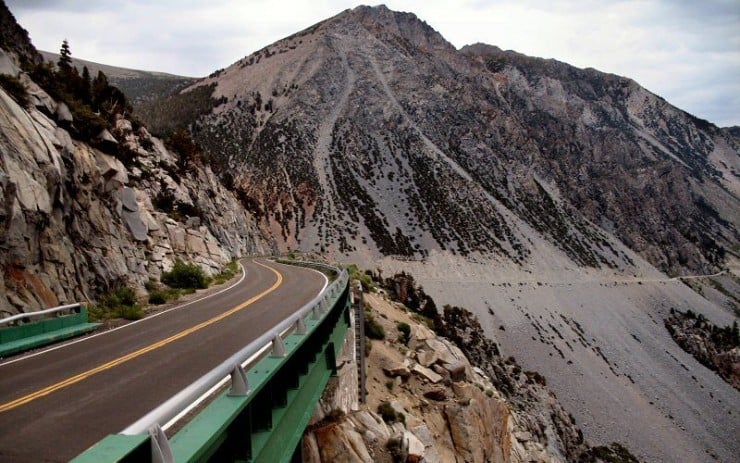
[687, 51]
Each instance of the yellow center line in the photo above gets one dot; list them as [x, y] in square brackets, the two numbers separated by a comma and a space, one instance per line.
[107, 366]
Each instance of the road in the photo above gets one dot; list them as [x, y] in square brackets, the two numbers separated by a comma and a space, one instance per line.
[57, 403]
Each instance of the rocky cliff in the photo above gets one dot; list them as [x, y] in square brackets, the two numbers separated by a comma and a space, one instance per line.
[428, 402]
[368, 134]
[79, 217]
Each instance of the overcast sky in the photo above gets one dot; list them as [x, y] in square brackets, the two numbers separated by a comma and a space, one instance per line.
[687, 51]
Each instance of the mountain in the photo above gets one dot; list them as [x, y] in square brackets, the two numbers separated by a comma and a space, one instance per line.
[549, 200]
[139, 86]
[83, 212]
[369, 132]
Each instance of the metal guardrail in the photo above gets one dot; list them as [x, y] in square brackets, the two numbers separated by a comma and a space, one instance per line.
[38, 313]
[262, 416]
[233, 365]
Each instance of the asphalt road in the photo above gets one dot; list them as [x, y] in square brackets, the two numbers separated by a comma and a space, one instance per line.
[58, 403]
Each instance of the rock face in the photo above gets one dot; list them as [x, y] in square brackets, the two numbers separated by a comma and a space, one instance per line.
[75, 221]
[471, 419]
[716, 348]
[372, 118]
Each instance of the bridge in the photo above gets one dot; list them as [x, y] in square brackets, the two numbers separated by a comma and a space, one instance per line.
[244, 367]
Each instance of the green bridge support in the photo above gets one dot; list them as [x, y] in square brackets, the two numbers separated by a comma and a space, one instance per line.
[265, 425]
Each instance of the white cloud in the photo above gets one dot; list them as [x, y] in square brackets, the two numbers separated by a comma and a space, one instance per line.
[685, 51]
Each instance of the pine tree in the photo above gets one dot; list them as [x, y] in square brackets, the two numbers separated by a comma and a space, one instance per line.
[65, 58]
[86, 86]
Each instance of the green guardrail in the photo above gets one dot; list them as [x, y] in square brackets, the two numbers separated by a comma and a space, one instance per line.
[26, 336]
[263, 416]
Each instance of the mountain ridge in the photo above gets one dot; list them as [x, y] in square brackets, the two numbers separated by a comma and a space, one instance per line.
[318, 74]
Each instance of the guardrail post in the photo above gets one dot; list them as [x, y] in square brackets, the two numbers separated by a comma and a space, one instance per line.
[300, 326]
[239, 382]
[278, 346]
[161, 450]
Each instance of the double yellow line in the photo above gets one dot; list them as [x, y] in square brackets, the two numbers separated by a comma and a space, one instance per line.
[107, 366]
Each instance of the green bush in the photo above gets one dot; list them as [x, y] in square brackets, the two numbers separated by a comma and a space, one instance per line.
[120, 296]
[185, 275]
[373, 329]
[389, 415]
[405, 332]
[157, 297]
[120, 302]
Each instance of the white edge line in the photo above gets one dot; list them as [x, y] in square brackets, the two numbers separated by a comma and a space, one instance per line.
[180, 306]
[220, 384]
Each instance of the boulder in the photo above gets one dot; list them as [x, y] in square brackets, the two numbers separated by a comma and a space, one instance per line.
[39, 98]
[440, 350]
[371, 426]
[128, 199]
[478, 426]
[135, 225]
[456, 369]
[412, 447]
[112, 170]
[426, 358]
[419, 334]
[340, 443]
[426, 373]
[393, 369]
[63, 114]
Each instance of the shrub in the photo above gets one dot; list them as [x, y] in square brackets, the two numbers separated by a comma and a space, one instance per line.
[185, 275]
[389, 415]
[405, 332]
[120, 302]
[373, 329]
[395, 448]
[157, 297]
[119, 296]
[389, 384]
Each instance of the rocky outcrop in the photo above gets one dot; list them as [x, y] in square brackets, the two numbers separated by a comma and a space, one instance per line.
[447, 411]
[75, 220]
[714, 347]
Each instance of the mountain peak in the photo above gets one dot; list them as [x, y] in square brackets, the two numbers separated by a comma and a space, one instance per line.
[384, 22]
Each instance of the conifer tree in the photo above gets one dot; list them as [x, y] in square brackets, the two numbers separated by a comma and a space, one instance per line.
[65, 58]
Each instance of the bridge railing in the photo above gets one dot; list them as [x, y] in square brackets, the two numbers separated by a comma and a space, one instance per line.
[14, 319]
[19, 333]
[303, 351]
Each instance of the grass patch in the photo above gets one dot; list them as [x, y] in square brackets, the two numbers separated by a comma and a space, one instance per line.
[229, 272]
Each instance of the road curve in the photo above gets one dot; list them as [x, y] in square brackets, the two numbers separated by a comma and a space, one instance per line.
[56, 404]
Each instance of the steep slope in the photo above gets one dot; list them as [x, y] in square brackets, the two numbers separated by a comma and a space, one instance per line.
[540, 196]
[78, 217]
[369, 133]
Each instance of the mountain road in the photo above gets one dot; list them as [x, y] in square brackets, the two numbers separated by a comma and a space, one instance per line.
[57, 402]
